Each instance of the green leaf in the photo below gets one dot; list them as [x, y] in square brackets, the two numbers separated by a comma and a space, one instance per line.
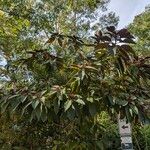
[90, 99]
[141, 116]
[54, 148]
[4, 106]
[48, 103]
[44, 114]
[35, 103]
[32, 116]
[80, 101]
[128, 114]
[121, 102]
[111, 100]
[134, 70]
[15, 104]
[92, 109]
[82, 74]
[38, 111]
[24, 99]
[56, 105]
[71, 114]
[52, 95]
[75, 84]
[43, 92]
[134, 108]
[90, 68]
[131, 112]
[100, 145]
[13, 96]
[67, 104]
[25, 107]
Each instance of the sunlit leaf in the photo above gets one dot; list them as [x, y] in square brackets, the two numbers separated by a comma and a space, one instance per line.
[67, 104]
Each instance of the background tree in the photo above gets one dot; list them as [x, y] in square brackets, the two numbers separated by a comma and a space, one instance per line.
[140, 28]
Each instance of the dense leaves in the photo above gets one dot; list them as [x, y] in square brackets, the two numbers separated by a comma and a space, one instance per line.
[140, 28]
[57, 81]
[71, 83]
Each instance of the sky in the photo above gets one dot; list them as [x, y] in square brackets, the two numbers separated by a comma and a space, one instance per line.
[127, 9]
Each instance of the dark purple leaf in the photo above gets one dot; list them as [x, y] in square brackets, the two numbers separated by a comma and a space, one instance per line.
[102, 45]
[60, 42]
[128, 48]
[124, 33]
[128, 41]
[50, 40]
[111, 29]
[105, 38]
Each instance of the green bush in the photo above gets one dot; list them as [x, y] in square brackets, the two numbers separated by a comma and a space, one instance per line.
[141, 137]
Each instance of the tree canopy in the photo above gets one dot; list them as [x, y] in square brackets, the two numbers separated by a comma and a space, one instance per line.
[140, 28]
[59, 77]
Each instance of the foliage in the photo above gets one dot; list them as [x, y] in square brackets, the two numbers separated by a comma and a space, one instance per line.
[141, 138]
[25, 27]
[140, 28]
[41, 135]
[74, 83]
[58, 81]
[65, 16]
[18, 134]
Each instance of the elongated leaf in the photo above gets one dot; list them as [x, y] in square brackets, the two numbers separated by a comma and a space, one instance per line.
[4, 106]
[92, 109]
[121, 65]
[130, 41]
[35, 103]
[32, 116]
[56, 105]
[128, 48]
[80, 101]
[67, 104]
[13, 96]
[111, 101]
[38, 111]
[25, 107]
[15, 104]
[50, 40]
[128, 114]
[134, 108]
[82, 74]
[24, 99]
[101, 46]
[60, 42]
[44, 114]
[90, 68]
